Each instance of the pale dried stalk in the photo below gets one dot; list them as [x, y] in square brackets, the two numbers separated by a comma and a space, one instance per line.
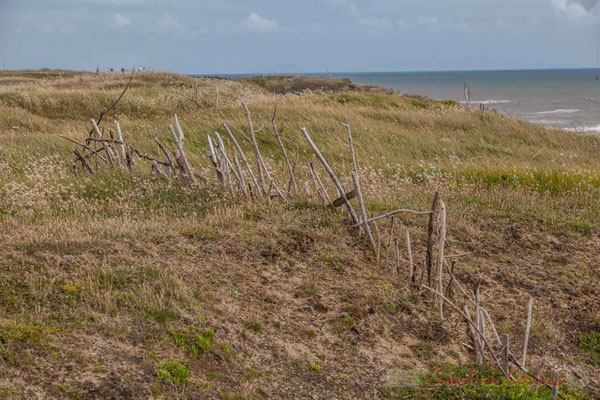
[334, 178]
[284, 151]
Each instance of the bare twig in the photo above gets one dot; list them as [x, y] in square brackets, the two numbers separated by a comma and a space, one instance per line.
[406, 211]
[86, 147]
[84, 161]
[103, 112]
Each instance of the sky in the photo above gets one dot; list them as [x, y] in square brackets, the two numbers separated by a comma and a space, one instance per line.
[294, 36]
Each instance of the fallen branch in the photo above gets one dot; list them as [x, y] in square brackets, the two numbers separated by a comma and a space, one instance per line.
[394, 213]
[337, 183]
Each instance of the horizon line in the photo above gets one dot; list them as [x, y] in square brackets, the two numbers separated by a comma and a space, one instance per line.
[389, 71]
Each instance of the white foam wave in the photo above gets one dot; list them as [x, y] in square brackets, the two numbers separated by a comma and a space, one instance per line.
[586, 129]
[492, 101]
[559, 111]
[487, 101]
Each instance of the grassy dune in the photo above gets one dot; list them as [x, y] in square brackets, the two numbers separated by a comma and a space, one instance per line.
[124, 286]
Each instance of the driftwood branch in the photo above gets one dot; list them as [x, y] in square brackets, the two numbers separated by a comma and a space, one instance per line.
[337, 183]
[394, 213]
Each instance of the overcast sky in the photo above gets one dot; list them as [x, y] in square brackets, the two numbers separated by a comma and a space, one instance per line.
[266, 36]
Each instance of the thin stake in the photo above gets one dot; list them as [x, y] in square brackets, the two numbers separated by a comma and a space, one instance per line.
[411, 267]
[363, 212]
[527, 329]
[441, 244]
[378, 251]
[389, 243]
[430, 231]
[505, 350]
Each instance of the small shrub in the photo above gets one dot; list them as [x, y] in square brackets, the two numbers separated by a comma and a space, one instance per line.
[418, 103]
[315, 367]
[173, 371]
[347, 322]
[197, 342]
[589, 343]
[254, 326]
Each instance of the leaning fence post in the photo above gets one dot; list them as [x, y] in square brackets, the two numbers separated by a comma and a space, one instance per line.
[527, 330]
[555, 380]
[505, 351]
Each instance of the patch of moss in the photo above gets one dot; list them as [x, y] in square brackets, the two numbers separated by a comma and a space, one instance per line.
[197, 341]
[589, 343]
[174, 372]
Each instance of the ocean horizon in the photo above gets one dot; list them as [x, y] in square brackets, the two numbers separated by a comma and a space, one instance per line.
[567, 99]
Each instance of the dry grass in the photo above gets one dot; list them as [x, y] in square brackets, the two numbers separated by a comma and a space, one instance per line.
[106, 279]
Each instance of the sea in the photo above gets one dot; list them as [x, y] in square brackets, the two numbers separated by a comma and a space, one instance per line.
[567, 99]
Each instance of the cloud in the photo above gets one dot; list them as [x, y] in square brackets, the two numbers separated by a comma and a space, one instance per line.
[119, 20]
[257, 23]
[376, 22]
[575, 9]
[588, 4]
[169, 23]
[370, 22]
[70, 30]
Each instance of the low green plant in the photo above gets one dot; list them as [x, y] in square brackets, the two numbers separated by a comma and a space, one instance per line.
[589, 343]
[173, 371]
[197, 341]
